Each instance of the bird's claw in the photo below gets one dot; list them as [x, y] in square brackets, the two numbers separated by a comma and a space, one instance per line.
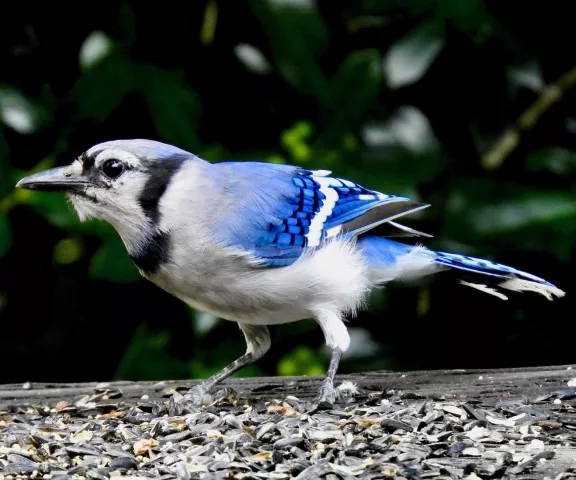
[326, 398]
[198, 395]
[225, 394]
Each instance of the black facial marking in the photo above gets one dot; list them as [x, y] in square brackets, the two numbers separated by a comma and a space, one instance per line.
[154, 254]
[90, 172]
[159, 176]
[87, 162]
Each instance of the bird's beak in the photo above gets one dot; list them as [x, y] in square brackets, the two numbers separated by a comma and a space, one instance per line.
[61, 179]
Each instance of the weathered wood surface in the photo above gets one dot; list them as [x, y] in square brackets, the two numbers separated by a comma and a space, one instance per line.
[547, 388]
[456, 384]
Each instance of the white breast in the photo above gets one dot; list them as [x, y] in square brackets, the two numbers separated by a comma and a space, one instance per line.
[227, 284]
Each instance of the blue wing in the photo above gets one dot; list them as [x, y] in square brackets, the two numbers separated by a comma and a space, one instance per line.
[278, 211]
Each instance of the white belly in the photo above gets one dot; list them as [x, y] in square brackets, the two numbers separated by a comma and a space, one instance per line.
[334, 278]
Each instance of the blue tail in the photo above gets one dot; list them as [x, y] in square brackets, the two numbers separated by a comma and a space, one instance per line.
[492, 277]
[403, 261]
[485, 267]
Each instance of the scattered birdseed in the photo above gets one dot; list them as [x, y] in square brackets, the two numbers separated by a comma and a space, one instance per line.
[369, 434]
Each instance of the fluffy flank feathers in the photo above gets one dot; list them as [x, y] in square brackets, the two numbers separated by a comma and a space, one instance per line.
[342, 272]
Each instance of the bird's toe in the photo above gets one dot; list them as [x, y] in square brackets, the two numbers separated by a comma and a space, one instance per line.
[326, 397]
[198, 395]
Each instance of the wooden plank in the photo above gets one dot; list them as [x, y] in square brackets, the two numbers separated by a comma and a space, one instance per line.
[463, 384]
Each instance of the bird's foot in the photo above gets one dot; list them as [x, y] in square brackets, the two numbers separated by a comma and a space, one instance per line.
[326, 397]
[199, 395]
[225, 394]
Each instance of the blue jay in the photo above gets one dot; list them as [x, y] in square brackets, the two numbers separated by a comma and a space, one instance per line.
[260, 244]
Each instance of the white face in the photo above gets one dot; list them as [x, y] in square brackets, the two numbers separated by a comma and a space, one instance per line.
[116, 179]
[122, 182]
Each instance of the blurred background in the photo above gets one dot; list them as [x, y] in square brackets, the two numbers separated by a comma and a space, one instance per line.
[469, 106]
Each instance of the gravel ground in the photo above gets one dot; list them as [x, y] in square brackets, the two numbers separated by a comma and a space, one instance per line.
[369, 434]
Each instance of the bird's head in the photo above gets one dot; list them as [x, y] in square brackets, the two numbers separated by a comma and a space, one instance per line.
[121, 181]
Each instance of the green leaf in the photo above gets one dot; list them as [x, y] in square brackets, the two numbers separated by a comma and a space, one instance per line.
[482, 211]
[95, 48]
[470, 16]
[55, 209]
[208, 29]
[553, 159]
[354, 89]
[174, 106]
[111, 262]
[408, 128]
[294, 139]
[68, 250]
[252, 59]
[367, 21]
[147, 358]
[52, 206]
[101, 89]
[409, 58]
[203, 322]
[125, 32]
[19, 112]
[515, 214]
[297, 37]
[301, 361]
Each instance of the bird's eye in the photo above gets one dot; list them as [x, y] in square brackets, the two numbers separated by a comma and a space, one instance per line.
[113, 168]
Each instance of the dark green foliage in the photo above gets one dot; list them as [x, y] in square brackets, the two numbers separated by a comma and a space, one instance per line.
[466, 105]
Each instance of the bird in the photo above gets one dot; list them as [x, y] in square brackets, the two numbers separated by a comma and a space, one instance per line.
[261, 243]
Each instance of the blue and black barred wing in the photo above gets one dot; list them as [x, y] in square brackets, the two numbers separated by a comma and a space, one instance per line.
[283, 210]
[354, 209]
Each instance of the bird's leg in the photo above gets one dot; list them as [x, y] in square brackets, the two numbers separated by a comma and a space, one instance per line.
[257, 344]
[327, 394]
[338, 339]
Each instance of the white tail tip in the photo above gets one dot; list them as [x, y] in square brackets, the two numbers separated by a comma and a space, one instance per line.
[519, 285]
